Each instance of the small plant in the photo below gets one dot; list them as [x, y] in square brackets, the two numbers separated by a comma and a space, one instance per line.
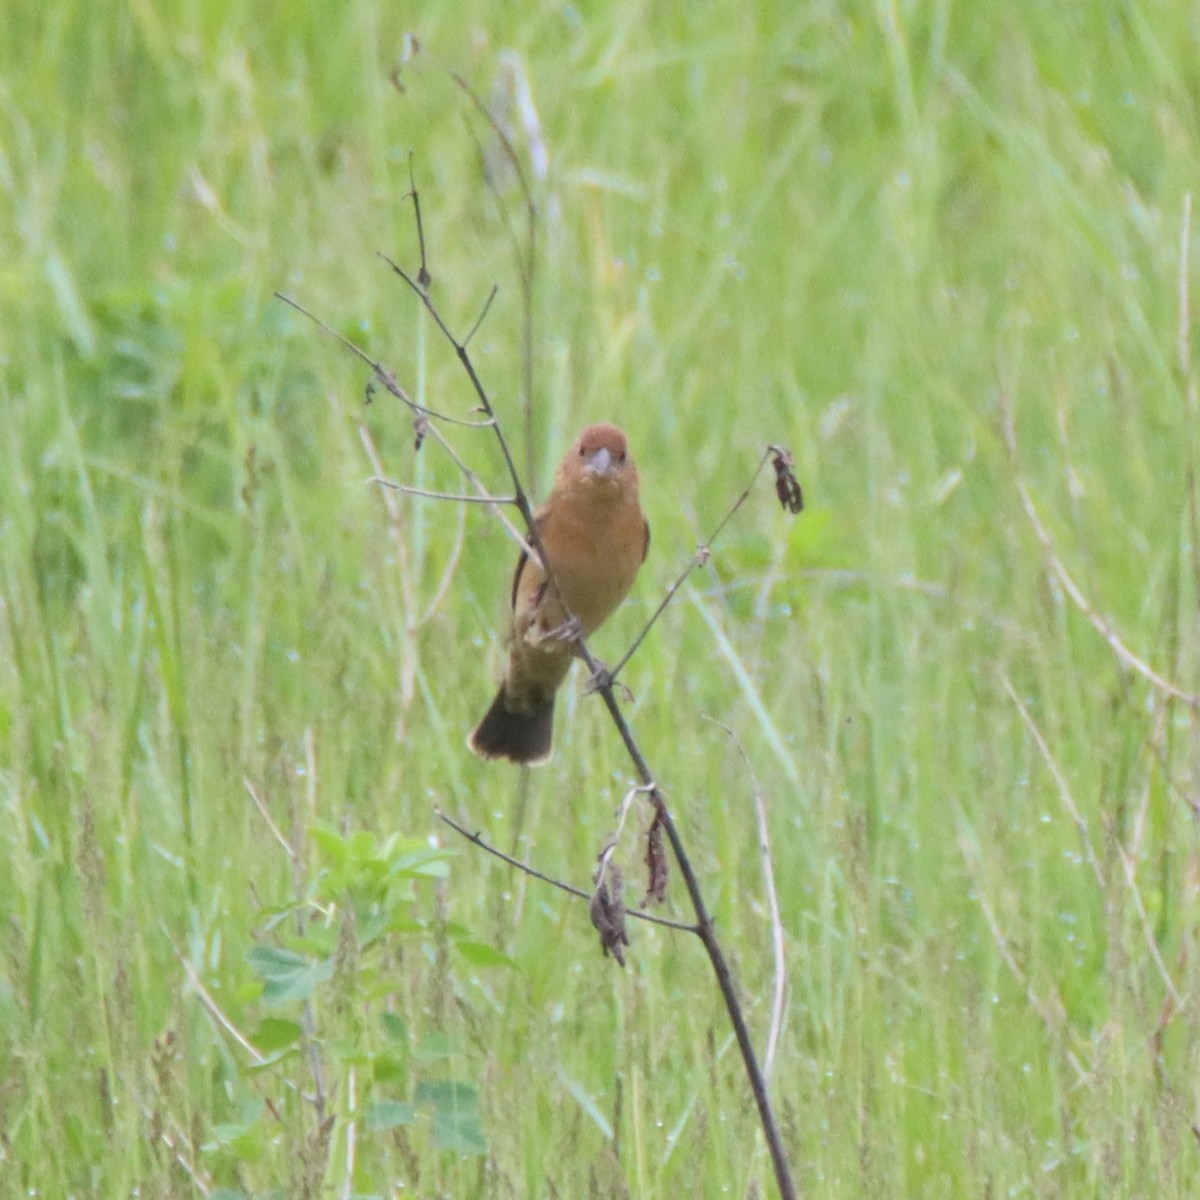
[335, 1056]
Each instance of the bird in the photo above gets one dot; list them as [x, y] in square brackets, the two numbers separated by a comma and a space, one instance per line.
[596, 537]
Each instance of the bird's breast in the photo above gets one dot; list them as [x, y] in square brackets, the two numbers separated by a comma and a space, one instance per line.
[595, 556]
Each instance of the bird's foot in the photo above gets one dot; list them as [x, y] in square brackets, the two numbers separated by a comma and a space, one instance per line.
[601, 678]
[571, 630]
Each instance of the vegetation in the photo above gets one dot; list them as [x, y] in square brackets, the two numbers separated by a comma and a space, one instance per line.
[945, 254]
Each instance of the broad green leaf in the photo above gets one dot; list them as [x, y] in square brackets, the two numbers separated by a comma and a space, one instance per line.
[287, 975]
[274, 1033]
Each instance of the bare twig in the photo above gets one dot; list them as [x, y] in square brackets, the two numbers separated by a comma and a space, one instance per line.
[423, 273]
[482, 314]
[384, 376]
[768, 868]
[456, 498]
[477, 840]
[698, 559]
[610, 845]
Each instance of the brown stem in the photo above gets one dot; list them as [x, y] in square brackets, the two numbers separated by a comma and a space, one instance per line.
[477, 840]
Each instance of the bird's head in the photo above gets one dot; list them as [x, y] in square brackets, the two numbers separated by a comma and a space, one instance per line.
[599, 460]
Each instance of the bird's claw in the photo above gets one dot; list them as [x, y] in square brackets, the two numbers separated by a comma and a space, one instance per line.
[571, 630]
[601, 678]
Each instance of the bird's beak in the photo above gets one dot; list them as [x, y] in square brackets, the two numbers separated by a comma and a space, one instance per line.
[601, 462]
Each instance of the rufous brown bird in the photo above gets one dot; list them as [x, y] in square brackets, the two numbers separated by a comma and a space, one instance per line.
[595, 537]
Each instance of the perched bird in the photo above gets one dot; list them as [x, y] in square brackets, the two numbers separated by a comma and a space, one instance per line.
[596, 537]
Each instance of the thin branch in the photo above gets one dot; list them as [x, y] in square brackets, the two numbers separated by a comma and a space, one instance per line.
[501, 135]
[406, 585]
[477, 840]
[610, 845]
[521, 499]
[698, 560]
[534, 546]
[456, 498]
[768, 867]
[423, 274]
[483, 313]
[1096, 619]
[385, 377]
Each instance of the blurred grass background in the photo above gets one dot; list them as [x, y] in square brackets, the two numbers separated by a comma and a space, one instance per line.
[861, 230]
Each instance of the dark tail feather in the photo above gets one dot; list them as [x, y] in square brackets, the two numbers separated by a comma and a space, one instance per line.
[521, 737]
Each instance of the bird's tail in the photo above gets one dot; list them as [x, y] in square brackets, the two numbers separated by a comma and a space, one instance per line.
[521, 737]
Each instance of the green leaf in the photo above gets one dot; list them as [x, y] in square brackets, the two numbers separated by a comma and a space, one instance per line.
[362, 846]
[350, 1052]
[332, 845]
[274, 1033]
[287, 975]
[373, 924]
[272, 1060]
[388, 1068]
[387, 1114]
[480, 955]
[456, 1122]
[425, 860]
[242, 1139]
[394, 1027]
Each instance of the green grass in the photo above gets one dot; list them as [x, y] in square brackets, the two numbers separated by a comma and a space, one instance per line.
[861, 231]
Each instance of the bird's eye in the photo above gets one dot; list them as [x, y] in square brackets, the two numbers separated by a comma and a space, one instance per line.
[621, 456]
[583, 452]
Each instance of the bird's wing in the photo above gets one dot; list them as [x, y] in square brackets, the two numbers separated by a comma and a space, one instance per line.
[539, 519]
